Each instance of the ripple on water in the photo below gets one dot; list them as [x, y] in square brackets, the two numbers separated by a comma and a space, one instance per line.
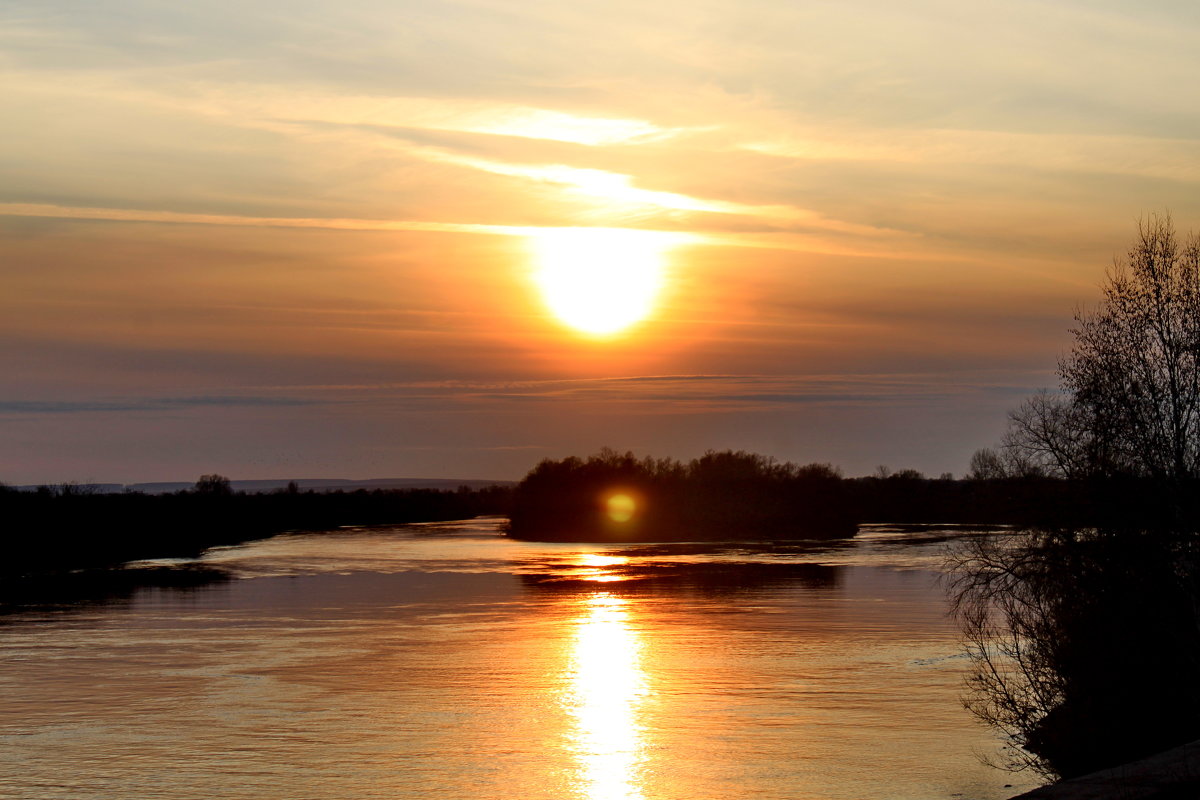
[446, 661]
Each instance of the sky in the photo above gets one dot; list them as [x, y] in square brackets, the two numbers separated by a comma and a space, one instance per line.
[313, 239]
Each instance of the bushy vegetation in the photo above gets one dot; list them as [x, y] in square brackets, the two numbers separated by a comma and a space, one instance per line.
[722, 495]
[56, 529]
[907, 496]
[1085, 631]
[738, 495]
[1085, 643]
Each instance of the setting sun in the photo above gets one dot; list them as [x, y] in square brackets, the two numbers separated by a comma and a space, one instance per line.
[600, 280]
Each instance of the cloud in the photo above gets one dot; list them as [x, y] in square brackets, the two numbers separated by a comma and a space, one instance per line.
[782, 240]
[183, 218]
[620, 189]
[144, 404]
[665, 394]
[468, 115]
[1174, 159]
[654, 395]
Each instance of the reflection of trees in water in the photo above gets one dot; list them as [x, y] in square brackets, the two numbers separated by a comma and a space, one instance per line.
[645, 575]
[1086, 645]
[67, 592]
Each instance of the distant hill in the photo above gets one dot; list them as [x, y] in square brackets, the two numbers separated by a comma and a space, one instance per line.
[314, 484]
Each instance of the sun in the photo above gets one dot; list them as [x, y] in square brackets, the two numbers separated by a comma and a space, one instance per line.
[600, 281]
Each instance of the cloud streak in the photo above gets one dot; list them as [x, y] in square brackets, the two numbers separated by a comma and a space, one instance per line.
[145, 404]
[782, 240]
[668, 393]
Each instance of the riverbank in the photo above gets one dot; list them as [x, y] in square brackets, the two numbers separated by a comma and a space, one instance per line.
[1170, 775]
[62, 529]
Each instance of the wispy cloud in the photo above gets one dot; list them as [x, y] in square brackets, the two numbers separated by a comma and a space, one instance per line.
[1176, 159]
[468, 115]
[666, 394]
[184, 218]
[782, 240]
[475, 116]
[145, 404]
[654, 393]
[619, 188]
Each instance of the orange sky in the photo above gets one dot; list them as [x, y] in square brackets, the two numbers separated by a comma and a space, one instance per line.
[301, 239]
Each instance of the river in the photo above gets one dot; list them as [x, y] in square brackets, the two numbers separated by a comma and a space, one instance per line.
[444, 660]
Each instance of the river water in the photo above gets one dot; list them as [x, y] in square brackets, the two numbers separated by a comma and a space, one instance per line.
[446, 661]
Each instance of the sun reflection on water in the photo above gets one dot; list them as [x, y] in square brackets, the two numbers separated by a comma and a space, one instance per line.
[608, 687]
[596, 567]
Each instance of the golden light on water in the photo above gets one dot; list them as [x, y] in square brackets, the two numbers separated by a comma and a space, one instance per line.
[601, 560]
[600, 280]
[597, 567]
[608, 687]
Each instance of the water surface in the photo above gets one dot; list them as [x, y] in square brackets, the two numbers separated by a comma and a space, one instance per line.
[446, 661]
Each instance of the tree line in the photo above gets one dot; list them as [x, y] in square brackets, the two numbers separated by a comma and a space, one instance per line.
[614, 496]
[730, 495]
[62, 528]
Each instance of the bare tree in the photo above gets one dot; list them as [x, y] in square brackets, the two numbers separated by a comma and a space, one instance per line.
[1130, 386]
[213, 484]
[1132, 373]
[1086, 641]
[1048, 435]
[1084, 644]
[997, 589]
[986, 465]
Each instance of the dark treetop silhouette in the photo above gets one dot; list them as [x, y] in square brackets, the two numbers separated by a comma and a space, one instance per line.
[56, 529]
[616, 497]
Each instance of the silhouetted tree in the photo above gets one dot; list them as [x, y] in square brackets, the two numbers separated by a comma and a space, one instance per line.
[1049, 435]
[1086, 638]
[986, 465]
[1130, 398]
[907, 474]
[1085, 645]
[1132, 373]
[213, 485]
[721, 495]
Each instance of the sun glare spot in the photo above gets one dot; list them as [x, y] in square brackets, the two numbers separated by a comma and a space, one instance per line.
[621, 507]
[602, 560]
[600, 280]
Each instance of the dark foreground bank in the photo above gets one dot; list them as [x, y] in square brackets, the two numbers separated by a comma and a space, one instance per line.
[1170, 775]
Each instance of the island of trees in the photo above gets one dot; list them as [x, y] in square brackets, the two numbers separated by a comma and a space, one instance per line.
[728, 496]
[616, 497]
